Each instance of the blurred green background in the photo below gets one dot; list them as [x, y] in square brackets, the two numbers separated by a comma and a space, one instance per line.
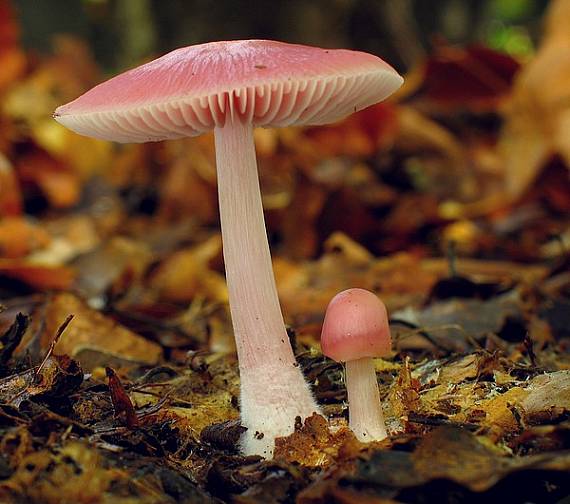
[124, 32]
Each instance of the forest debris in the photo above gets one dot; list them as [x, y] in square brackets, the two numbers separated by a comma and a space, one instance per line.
[228, 475]
[422, 134]
[499, 415]
[457, 323]
[54, 342]
[314, 444]
[306, 289]
[59, 377]
[193, 175]
[499, 272]
[455, 454]
[182, 489]
[449, 454]
[137, 244]
[55, 180]
[436, 161]
[361, 134]
[543, 438]
[548, 398]
[11, 196]
[460, 389]
[19, 237]
[277, 486]
[454, 370]
[186, 273]
[91, 331]
[476, 76]
[37, 276]
[200, 399]
[100, 268]
[82, 155]
[10, 340]
[121, 401]
[77, 471]
[538, 117]
[13, 60]
[194, 417]
[404, 395]
[224, 435]
[557, 313]
[457, 286]
[351, 251]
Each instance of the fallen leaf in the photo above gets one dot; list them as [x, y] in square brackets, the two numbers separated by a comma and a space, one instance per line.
[538, 117]
[91, 331]
[121, 401]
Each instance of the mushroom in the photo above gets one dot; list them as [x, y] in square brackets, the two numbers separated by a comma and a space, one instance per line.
[354, 331]
[230, 87]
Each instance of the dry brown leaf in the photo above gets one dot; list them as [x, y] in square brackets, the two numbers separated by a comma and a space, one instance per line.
[38, 276]
[10, 193]
[60, 185]
[200, 399]
[101, 267]
[91, 332]
[186, 274]
[86, 157]
[305, 289]
[75, 470]
[19, 237]
[538, 116]
[13, 60]
[548, 398]
[404, 396]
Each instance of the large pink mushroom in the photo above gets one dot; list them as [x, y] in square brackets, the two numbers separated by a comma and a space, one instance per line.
[231, 87]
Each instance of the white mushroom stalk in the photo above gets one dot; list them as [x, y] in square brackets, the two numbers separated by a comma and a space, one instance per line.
[273, 390]
[365, 417]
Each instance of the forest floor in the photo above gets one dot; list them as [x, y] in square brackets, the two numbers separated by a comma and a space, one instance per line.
[118, 377]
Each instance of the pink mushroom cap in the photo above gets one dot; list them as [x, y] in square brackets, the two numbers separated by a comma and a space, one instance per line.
[355, 326]
[193, 89]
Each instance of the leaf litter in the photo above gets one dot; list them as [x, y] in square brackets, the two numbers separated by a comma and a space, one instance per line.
[118, 379]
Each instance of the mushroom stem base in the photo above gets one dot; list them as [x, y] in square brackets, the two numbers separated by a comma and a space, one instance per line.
[273, 389]
[270, 406]
[366, 419]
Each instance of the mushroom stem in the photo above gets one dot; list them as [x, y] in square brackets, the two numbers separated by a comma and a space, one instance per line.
[273, 389]
[366, 419]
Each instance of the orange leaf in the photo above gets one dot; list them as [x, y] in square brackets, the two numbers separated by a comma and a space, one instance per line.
[37, 276]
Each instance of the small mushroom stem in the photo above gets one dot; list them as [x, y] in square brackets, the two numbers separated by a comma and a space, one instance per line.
[366, 419]
[273, 389]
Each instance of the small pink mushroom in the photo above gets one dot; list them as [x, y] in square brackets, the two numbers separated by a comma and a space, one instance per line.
[230, 88]
[354, 331]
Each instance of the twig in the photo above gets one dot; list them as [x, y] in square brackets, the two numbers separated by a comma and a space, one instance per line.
[440, 420]
[51, 348]
[529, 347]
[421, 332]
[62, 419]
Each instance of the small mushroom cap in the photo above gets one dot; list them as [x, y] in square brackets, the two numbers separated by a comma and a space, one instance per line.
[355, 326]
[193, 89]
